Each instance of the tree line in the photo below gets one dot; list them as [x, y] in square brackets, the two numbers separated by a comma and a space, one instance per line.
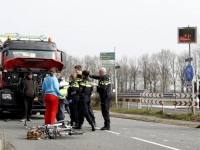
[159, 72]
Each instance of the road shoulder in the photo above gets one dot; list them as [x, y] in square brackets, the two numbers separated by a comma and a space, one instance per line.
[190, 124]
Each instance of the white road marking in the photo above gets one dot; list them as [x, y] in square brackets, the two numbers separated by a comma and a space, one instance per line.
[112, 132]
[109, 131]
[155, 143]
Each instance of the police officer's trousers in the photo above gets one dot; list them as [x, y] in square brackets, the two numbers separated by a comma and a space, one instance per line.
[74, 110]
[105, 105]
[85, 104]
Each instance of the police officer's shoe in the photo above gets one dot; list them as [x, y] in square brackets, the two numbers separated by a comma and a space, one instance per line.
[76, 125]
[93, 127]
[105, 128]
[79, 126]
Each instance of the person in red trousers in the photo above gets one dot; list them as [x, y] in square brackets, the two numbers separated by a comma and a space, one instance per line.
[50, 90]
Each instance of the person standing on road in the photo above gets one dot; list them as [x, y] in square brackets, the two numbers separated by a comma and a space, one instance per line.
[85, 92]
[104, 90]
[50, 90]
[62, 100]
[74, 97]
[78, 70]
[28, 90]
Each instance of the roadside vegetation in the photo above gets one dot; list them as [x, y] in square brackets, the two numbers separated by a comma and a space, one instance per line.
[159, 114]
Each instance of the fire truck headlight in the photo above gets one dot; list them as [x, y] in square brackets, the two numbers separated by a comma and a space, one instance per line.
[6, 96]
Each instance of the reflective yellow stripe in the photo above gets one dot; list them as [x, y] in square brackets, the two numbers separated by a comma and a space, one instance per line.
[79, 79]
[104, 83]
[75, 85]
[82, 84]
[86, 85]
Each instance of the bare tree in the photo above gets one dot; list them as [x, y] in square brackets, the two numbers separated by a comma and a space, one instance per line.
[143, 61]
[122, 75]
[71, 62]
[133, 72]
[164, 59]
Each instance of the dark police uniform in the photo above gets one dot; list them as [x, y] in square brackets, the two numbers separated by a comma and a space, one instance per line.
[85, 92]
[73, 86]
[104, 90]
[79, 80]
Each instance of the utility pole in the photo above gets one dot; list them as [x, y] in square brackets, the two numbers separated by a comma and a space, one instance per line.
[145, 65]
[192, 89]
[115, 79]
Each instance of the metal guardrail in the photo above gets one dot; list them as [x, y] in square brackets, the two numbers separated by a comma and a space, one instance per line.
[178, 99]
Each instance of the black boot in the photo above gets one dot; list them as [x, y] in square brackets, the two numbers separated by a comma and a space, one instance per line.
[93, 127]
[79, 126]
[105, 128]
[76, 125]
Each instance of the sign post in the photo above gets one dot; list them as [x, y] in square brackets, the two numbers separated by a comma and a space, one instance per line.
[111, 56]
[189, 74]
[188, 35]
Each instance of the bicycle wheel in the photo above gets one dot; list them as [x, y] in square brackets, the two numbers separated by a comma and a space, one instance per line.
[55, 134]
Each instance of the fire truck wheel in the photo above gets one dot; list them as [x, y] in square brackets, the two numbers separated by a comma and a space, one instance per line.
[34, 113]
[42, 113]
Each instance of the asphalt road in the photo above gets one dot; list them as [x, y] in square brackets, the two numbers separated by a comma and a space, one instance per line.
[124, 134]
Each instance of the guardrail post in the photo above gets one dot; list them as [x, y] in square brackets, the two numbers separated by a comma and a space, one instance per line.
[139, 106]
[189, 106]
[151, 103]
[127, 105]
[127, 100]
[163, 105]
[175, 106]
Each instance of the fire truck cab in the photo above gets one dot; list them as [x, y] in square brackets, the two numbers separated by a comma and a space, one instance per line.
[17, 58]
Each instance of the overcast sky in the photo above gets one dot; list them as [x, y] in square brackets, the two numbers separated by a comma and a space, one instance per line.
[88, 27]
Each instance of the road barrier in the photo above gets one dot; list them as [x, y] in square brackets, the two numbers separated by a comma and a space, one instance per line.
[180, 99]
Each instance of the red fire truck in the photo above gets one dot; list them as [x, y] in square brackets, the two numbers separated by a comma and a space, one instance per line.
[18, 57]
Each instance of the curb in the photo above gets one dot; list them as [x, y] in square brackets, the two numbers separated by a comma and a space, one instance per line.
[3, 141]
[156, 119]
[1, 145]
[153, 119]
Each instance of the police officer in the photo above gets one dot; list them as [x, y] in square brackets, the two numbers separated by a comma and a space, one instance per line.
[78, 70]
[104, 90]
[85, 92]
[73, 95]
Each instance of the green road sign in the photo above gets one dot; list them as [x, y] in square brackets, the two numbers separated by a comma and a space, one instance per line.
[108, 65]
[107, 56]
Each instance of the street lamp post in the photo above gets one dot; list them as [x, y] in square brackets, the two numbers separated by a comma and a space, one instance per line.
[116, 67]
[174, 85]
[151, 81]
[145, 75]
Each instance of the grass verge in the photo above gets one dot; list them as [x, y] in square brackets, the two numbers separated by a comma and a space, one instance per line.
[159, 114]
